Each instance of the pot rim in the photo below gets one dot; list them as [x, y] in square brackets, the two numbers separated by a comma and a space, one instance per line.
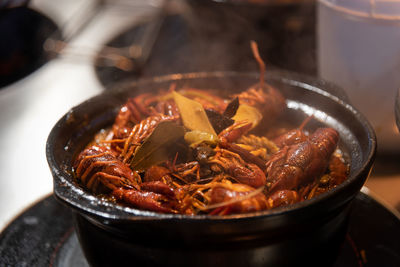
[90, 205]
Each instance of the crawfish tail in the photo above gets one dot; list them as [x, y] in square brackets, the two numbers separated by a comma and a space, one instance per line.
[140, 131]
[325, 139]
[231, 201]
[244, 154]
[143, 200]
[293, 136]
[300, 163]
[96, 165]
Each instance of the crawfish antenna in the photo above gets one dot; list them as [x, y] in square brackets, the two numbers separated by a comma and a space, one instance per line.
[172, 87]
[256, 54]
[307, 120]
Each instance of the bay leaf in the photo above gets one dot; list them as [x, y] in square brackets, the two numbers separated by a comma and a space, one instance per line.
[248, 113]
[156, 148]
[193, 114]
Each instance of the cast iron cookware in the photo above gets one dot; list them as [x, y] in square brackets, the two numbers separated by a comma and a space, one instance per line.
[310, 232]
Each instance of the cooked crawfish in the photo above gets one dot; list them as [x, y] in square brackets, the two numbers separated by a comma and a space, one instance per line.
[292, 137]
[228, 194]
[140, 131]
[301, 163]
[267, 99]
[131, 113]
[235, 131]
[244, 154]
[282, 198]
[338, 170]
[244, 172]
[154, 196]
[156, 173]
[259, 146]
[96, 166]
[240, 198]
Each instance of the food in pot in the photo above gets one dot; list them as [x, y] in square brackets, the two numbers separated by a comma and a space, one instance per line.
[192, 151]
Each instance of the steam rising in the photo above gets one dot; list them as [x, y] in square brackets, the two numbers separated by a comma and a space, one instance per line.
[212, 36]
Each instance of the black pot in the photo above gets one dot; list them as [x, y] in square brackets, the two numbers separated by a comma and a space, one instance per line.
[309, 232]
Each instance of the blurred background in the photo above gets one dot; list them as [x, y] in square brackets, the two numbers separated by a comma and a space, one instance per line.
[56, 54]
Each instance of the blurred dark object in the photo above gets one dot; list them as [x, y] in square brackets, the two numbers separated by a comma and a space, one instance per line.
[13, 3]
[213, 36]
[169, 53]
[23, 32]
[397, 109]
[284, 30]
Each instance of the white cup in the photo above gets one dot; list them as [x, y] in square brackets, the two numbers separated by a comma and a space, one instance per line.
[358, 48]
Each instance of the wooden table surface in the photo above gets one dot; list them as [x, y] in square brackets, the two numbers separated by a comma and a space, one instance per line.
[384, 180]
